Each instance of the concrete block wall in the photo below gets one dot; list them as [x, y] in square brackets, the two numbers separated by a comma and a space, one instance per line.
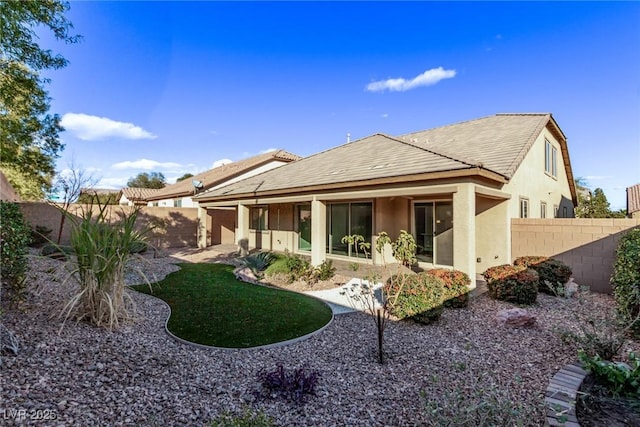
[587, 245]
[177, 227]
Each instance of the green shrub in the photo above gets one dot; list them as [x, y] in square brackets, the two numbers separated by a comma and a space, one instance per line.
[14, 240]
[258, 262]
[101, 250]
[456, 286]
[515, 284]
[326, 270]
[297, 268]
[552, 273]
[40, 235]
[626, 280]
[620, 378]
[247, 419]
[418, 297]
[278, 266]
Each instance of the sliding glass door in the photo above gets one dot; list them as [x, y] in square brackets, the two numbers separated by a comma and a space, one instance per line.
[344, 219]
[304, 227]
[433, 231]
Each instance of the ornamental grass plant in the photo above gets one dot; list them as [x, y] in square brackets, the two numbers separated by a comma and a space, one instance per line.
[101, 247]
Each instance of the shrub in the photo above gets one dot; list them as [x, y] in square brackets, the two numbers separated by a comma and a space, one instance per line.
[14, 240]
[40, 235]
[101, 251]
[516, 284]
[258, 262]
[456, 286]
[298, 268]
[626, 280]
[248, 418]
[621, 379]
[326, 270]
[294, 385]
[552, 273]
[404, 249]
[418, 297]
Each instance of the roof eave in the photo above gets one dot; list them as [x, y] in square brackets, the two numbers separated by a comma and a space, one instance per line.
[429, 176]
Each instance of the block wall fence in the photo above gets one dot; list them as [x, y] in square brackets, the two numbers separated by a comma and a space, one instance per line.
[175, 227]
[588, 246]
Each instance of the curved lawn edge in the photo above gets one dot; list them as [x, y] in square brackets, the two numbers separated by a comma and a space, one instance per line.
[258, 347]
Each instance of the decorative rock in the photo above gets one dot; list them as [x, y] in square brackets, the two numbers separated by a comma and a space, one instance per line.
[245, 274]
[515, 317]
[570, 288]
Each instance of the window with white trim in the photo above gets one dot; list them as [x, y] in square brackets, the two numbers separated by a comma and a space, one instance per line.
[556, 211]
[543, 209]
[524, 208]
[550, 159]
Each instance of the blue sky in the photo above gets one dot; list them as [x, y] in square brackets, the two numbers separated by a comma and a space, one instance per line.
[179, 87]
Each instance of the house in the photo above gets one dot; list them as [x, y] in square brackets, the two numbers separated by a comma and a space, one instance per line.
[633, 201]
[181, 193]
[134, 196]
[454, 188]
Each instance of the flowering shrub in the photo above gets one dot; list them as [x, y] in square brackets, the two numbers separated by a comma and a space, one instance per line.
[516, 284]
[553, 273]
[456, 286]
[418, 297]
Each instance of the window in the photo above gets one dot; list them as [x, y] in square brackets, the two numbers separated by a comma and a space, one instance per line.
[556, 211]
[550, 159]
[344, 219]
[524, 208]
[177, 203]
[259, 218]
[543, 210]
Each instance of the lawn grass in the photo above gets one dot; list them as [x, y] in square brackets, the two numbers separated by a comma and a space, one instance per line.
[210, 306]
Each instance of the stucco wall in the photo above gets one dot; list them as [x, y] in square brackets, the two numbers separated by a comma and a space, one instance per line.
[587, 245]
[492, 233]
[530, 181]
[176, 227]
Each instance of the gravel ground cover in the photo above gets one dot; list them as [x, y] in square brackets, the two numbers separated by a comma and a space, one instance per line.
[138, 375]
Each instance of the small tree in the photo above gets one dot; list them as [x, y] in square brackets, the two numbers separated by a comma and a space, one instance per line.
[185, 176]
[70, 183]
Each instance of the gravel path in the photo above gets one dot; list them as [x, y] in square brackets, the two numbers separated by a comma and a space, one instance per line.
[138, 375]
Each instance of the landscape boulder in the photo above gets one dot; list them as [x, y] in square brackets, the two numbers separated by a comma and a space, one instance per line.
[515, 317]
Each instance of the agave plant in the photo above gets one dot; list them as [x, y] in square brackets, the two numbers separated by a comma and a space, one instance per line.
[258, 262]
[101, 248]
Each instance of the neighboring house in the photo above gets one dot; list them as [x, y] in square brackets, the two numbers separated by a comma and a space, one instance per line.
[137, 196]
[455, 188]
[181, 193]
[7, 193]
[633, 201]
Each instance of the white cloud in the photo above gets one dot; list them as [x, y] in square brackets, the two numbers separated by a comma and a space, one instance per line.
[268, 150]
[597, 177]
[384, 116]
[113, 183]
[428, 78]
[91, 128]
[221, 162]
[147, 164]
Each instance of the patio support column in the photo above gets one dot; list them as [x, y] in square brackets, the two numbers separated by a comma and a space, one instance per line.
[242, 237]
[464, 230]
[201, 234]
[318, 231]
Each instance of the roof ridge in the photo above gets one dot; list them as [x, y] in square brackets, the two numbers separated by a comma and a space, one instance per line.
[439, 152]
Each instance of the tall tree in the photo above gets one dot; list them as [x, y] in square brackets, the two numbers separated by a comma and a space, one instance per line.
[148, 180]
[29, 134]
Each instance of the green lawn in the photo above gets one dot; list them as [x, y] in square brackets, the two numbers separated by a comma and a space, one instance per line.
[210, 306]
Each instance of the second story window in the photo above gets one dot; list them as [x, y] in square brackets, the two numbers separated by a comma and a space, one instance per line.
[550, 159]
[524, 208]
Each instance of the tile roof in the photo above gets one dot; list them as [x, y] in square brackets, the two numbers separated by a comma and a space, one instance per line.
[135, 193]
[220, 174]
[633, 199]
[496, 143]
[499, 143]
